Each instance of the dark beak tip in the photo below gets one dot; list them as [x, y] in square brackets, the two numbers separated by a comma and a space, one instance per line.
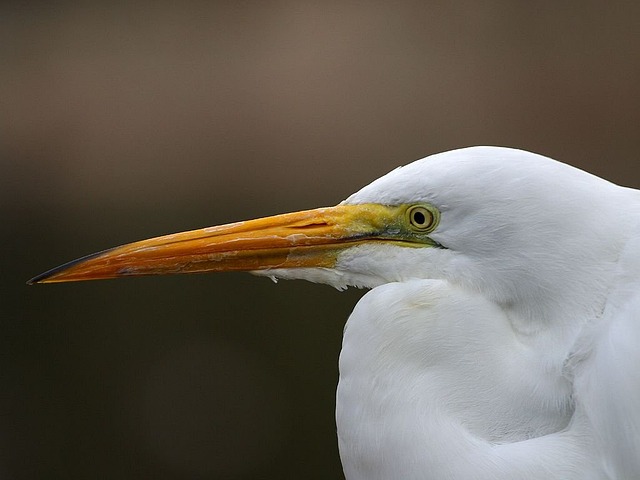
[43, 277]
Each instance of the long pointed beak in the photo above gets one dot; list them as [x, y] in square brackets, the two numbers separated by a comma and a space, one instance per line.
[311, 238]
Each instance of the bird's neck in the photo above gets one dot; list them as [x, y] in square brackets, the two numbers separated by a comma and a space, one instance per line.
[426, 364]
[552, 322]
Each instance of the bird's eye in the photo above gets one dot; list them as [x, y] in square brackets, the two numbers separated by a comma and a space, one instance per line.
[421, 218]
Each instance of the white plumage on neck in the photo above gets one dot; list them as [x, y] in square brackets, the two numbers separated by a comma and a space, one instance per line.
[434, 384]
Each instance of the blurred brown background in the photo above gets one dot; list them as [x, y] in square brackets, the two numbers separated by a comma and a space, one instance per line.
[123, 120]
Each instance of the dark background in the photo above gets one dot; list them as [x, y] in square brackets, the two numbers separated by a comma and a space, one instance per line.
[124, 120]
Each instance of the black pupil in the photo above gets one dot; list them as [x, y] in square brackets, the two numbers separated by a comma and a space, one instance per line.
[419, 218]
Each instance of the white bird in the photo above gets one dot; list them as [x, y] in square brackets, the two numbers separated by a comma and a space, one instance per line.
[501, 337]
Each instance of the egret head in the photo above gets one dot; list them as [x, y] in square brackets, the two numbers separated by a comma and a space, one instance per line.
[511, 224]
[497, 220]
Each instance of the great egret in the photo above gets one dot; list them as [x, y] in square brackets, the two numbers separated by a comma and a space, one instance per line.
[501, 337]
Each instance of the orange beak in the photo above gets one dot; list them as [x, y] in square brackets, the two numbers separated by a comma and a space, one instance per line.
[311, 238]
